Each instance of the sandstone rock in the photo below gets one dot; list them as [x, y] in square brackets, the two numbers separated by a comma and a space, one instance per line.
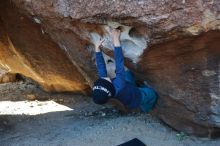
[25, 50]
[186, 75]
[6, 77]
[172, 44]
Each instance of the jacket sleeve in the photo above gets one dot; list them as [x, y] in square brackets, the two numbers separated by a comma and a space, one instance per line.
[120, 72]
[100, 64]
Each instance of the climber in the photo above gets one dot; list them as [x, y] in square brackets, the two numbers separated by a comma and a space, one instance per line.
[123, 86]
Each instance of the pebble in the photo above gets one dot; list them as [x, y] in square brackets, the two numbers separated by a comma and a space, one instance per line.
[5, 122]
[103, 114]
[31, 97]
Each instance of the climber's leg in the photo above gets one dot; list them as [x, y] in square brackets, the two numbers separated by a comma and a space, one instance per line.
[148, 98]
[148, 94]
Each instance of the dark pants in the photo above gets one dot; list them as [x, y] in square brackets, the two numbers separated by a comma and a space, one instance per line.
[148, 94]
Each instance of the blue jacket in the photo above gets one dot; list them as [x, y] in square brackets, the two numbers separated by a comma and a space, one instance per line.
[126, 92]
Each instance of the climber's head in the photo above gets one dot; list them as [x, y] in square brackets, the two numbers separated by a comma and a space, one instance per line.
[102, 90]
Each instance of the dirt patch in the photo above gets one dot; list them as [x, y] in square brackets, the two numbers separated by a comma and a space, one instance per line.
[87, 124]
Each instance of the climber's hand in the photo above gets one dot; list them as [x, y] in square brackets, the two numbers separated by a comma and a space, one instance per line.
[99, 44]
[116, 37]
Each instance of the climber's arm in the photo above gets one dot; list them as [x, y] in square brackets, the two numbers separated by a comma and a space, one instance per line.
[100, 62]
[119, 59]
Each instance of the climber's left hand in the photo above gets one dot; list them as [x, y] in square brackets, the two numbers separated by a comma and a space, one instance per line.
[99, 44]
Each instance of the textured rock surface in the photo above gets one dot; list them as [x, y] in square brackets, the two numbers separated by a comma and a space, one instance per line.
[173, 44]
[6, 77]
[25, 50]
[186, 75]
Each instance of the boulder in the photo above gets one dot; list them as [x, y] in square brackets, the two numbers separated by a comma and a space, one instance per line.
[6, 76]
[171, 44]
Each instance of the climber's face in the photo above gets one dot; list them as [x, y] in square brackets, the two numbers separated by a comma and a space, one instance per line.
[108, 79]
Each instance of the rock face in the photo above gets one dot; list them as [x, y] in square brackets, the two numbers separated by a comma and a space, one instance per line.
[25, 50]
[172, 44]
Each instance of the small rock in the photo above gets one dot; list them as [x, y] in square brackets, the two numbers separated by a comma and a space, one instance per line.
[89, 113]
[6, 77]
[31, 97]
[60, 100]
[103, 114]
[39, 104]
[5, 122]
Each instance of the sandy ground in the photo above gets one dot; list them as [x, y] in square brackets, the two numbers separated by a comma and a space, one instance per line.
[80, 123]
